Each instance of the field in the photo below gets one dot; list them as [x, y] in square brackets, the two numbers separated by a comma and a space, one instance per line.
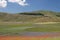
[29, 38]
[34, 25]
[20, 31]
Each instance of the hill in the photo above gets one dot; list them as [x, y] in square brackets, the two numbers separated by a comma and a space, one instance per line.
[34, 16]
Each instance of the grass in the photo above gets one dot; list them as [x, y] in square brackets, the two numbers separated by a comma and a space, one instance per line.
[45, 28]
[6, 28]
[12, 28]
[29, 38]
[55, 38]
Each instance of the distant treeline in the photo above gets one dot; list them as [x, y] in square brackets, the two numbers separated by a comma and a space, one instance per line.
[32, 14]
[58, 15]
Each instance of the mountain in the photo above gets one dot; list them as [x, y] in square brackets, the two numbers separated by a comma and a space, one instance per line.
[34, 16]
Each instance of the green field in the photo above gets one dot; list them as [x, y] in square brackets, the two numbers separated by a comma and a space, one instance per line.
[14, 29]
[45, 28]
[53, 38]
[8, 28]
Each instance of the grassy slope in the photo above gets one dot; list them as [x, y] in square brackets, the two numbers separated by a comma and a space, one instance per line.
[36, 16]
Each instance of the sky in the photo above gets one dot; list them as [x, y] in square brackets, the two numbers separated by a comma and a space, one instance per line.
[14, 6]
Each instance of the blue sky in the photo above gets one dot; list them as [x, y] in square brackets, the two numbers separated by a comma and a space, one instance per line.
[53, 5]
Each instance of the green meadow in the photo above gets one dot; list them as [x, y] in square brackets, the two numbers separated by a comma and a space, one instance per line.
[52, 38]
[16, 29]
[45, 28]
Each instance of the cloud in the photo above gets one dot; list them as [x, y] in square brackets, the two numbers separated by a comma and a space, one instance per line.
[3, 3]
[13, 1]
[20, 2]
